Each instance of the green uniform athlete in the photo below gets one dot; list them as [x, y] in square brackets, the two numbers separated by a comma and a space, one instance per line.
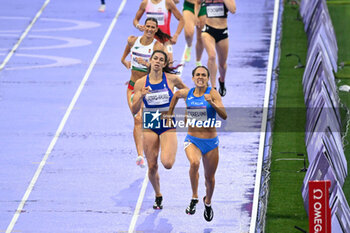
[194, 13]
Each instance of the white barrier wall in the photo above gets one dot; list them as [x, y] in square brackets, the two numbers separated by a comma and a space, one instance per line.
[323, 124]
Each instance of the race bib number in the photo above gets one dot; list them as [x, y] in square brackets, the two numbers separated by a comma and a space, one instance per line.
[137, 62]
[198, 114]
[215, 10]
[158, 98]
[157, 15]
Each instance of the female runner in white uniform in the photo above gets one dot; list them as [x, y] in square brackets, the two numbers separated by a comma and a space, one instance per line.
[141, 49]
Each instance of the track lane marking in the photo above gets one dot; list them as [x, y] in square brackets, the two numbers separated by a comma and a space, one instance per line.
[24, 34]
[138, 204]
[63, 121]
[264, 119]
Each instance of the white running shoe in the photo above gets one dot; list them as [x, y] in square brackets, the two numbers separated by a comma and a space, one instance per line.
[102, 8]
[140, 161]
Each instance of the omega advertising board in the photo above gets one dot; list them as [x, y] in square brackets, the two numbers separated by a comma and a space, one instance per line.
[319, 211]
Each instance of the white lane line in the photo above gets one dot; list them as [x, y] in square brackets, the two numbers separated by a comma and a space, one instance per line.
[63, 121]
[24, 34]
[138, 204]
[264, 119]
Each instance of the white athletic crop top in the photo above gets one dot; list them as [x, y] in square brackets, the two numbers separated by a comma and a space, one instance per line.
[141, 51]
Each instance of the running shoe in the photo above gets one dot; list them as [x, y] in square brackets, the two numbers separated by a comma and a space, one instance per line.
[191, 209]
[187, 56]
[158, 203]
[208, 212]
[102, 8]
[222, 88]
[140, 161]
[198, 63]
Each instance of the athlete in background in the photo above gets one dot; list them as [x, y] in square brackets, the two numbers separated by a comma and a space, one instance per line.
[141, 49]
[194, 13]
[161, 10]
[215, 38]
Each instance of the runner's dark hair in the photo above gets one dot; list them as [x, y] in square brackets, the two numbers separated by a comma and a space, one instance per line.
[166, 69]
[163, 37]
[194, 70]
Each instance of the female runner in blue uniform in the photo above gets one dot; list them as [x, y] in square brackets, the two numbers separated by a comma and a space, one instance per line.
[215, 38]
[203, 102]
[155, 91]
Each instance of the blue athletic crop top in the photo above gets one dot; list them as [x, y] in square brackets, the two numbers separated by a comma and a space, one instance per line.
[216, 9]
[160, 94]
[198, 108]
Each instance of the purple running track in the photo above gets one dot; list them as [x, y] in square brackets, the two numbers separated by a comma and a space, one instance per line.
[90, 182]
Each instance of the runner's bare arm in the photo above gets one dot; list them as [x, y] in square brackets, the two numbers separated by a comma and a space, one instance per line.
[214, 99]
[179, 83]
[178, 95]
[172, 7]
[130, 43]
[231, 5]
[159, 46]
[139, 14]
[140, 92]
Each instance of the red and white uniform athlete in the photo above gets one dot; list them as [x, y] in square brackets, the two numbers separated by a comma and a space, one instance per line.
[161, 13]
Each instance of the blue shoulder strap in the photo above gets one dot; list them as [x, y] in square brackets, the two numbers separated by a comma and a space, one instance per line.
[190, 93]
[208, 90]
[147, 81]
[165, 80]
